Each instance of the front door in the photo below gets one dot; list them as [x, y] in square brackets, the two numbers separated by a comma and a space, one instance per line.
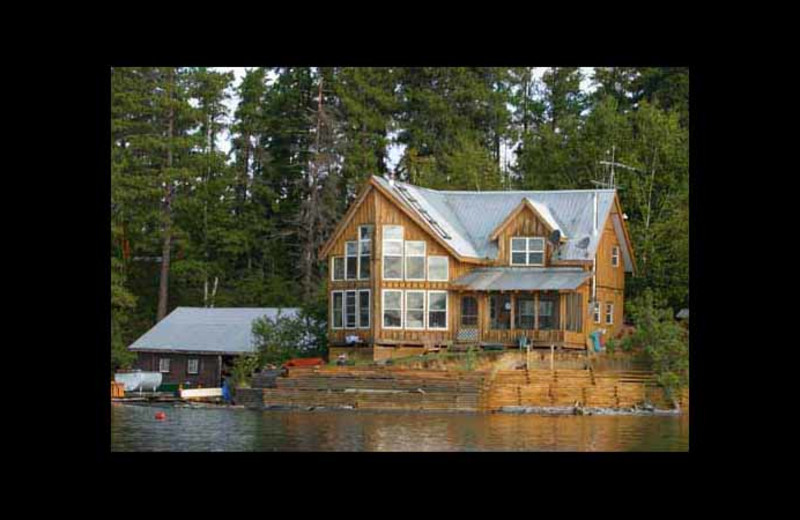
[468, 326]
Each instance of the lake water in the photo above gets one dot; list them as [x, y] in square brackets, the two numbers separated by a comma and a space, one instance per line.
[134, 428]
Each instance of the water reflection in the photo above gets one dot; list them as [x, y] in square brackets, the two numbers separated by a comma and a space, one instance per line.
[133, 428]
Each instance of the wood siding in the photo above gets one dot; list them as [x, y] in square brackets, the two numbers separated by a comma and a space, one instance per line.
[379, 210]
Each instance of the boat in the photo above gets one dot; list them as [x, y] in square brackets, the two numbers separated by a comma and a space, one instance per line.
[139, 381]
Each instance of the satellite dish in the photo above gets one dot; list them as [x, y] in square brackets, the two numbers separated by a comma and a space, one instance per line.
[555, 237]
[584, 243]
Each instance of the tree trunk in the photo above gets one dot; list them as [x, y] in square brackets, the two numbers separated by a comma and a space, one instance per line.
[163, 289]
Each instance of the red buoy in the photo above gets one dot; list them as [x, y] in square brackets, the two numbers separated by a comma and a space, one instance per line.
[161, 416]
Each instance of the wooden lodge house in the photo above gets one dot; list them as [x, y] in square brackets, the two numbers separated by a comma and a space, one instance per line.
[413, 268]
[196, 345]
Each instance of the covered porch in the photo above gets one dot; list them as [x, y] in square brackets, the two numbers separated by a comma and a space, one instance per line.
[508, 307]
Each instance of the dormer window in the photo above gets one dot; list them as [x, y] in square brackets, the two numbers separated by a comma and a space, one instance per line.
[527, 251]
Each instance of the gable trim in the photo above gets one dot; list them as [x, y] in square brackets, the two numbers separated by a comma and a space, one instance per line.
[348, 216]
[515, 213]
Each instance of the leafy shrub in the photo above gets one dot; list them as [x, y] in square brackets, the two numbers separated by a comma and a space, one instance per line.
[664, 342]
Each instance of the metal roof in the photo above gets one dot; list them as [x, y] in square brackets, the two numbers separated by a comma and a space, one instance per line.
[199, 329]
[470, 217]
[523, 279]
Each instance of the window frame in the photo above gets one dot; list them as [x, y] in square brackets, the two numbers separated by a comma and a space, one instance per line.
[614, 256]
[384, 309]
[406, 308]
[596, 315]
[333, 310]
[609, 313]
[333, 269]
[493, 297]
[518, 314]
[527, 251]
[446, 268]
[384, 255]
[347, 257]
[345, 323]
[360, 253]
[160, 365]
[446, 310]
[358, 309]
[189, 364]
[406, 256]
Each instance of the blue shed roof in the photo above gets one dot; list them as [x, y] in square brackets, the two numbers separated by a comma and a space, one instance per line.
[204, 330]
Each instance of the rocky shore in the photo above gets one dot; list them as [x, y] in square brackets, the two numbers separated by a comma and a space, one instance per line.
[578, 410]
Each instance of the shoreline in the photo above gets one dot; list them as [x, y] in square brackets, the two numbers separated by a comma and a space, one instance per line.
[506, 410]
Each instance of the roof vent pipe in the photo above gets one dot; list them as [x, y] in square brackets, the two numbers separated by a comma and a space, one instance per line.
[594, 232]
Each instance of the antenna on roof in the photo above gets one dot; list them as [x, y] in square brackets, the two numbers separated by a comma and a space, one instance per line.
[611, 183]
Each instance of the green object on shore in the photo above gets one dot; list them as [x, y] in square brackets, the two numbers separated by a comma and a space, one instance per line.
[168, 387]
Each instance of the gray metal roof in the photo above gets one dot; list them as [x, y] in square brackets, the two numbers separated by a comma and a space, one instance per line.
[523, 278]
[198, 329]
[470, 217]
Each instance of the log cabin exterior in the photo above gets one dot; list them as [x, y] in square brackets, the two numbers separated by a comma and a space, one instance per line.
[411, 267]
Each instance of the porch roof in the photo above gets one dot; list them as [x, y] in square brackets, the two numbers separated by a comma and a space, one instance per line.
[522, 279]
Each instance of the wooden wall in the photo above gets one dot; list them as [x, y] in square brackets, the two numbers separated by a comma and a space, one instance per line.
[610, 279]
[378, 211]
[208, 372]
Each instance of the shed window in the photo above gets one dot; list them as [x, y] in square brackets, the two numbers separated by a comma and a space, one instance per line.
[437, 310]
[548, 311]
[350, 310]
[438, 268]
[364, 251]
[415, 309]
[610, 313]
[392, 309]
[193, 366]
[415, 260]
[596, 312]
[336, 309]
[615, 256]
[163, 365]
[500, 311]
[392, 252]
[363, 309]
[524, 317]
[527, 251]
[351, 252]
[337, 271]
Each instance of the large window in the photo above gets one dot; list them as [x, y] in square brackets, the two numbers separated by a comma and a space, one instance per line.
[615, 256]
[415, 260]
[575, 312]
[415, 309]
[193, 366]
[363, 309]
[351, 257]
[609, 313]
[392, 252]
[337, 269]
[527, 251]
[500, 311]
[350, 310]
[392, 309]
[337, 299]
[524, 317]
[437, 310]
[364, 251]
[548, 311]
[438, 268]
[163, 365]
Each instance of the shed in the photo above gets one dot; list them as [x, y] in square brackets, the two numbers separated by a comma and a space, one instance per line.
[195, 345]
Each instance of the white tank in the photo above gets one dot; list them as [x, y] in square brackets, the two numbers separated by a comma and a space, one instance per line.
[139, 381]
